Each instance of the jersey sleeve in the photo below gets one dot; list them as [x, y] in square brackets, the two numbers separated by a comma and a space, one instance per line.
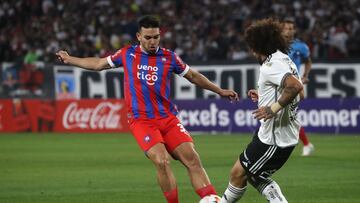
[115, 60]
[304, 51]
[179, 66]
[274, 72]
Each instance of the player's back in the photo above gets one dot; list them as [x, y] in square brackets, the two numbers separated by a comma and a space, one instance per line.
[282, 129]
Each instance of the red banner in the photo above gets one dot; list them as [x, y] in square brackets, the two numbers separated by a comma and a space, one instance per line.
[6, 112]
[34, 115]
[89, 115]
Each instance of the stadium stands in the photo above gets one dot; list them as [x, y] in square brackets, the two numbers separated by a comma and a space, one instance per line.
[196, 30]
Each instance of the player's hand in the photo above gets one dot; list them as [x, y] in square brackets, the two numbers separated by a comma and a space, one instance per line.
[264, 112]
[253, 94]
[230, 94]
[305, 80]
[63, 56]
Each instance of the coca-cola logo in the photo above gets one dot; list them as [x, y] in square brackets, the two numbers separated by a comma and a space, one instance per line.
[105, 115]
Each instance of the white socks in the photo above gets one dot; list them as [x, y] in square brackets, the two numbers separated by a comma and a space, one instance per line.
[272, 192]
[232, 194]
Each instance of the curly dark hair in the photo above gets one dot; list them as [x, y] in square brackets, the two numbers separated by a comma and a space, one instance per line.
[264, 37]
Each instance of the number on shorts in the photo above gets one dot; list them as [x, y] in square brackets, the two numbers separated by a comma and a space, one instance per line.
[182, 128]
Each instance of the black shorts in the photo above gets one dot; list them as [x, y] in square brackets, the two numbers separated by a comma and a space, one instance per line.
[262, 160]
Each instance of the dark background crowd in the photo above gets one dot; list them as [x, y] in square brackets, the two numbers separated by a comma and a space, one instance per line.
[202, 30]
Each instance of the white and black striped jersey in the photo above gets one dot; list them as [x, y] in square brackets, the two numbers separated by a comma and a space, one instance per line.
[282, 130]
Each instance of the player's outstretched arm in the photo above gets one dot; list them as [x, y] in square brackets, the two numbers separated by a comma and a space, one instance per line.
[307, 64]
[200, 80]
[89, 63]
[292, 87]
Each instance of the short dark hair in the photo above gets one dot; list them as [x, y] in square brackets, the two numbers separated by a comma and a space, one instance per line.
[148, 21]
[289, 20]
[264, 37]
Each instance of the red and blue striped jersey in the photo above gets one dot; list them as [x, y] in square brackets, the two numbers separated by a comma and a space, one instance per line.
[147, 80]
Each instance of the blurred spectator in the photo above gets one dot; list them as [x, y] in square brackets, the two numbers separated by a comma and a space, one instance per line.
[198, 30]
[31, 77]
[9, 80]
[337, 41]
[31, 56]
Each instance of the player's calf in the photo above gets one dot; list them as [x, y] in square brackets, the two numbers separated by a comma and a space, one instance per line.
[232, 194]
[273, 194]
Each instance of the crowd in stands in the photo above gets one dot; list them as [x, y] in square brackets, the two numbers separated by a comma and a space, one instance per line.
[201, 30]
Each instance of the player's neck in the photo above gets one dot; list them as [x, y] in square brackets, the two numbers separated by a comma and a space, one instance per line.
[146, 52]
[262, 58]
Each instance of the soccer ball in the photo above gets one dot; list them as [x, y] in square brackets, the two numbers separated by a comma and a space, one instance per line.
[210, 199]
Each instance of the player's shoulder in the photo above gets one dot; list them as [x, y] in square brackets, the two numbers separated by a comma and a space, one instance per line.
[125, 48]
[278, 57]
[273, 64]
[166, 51]
[171, 54]
[131, 47]
[301, 44]
[276, 60]
[298, 41]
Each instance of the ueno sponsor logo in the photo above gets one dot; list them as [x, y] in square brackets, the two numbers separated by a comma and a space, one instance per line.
[147, 73]
[105, 115]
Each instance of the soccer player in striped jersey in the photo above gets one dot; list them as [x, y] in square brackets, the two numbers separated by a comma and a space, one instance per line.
[152, 115]
[279, 91]
[299, 53]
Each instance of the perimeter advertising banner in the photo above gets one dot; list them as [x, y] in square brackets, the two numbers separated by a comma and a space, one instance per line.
[316, 115]
[27, 115]
[330, 115]
[87, 115]
[91, 115]
[326, 81]
[6, 112]
[214, 115]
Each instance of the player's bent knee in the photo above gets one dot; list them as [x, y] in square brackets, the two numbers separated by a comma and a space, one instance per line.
[161, 162]
[237, 171]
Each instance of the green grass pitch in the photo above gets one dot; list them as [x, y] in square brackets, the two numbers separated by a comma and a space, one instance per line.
[108, 168]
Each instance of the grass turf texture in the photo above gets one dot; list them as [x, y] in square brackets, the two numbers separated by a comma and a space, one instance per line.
[67, 168]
